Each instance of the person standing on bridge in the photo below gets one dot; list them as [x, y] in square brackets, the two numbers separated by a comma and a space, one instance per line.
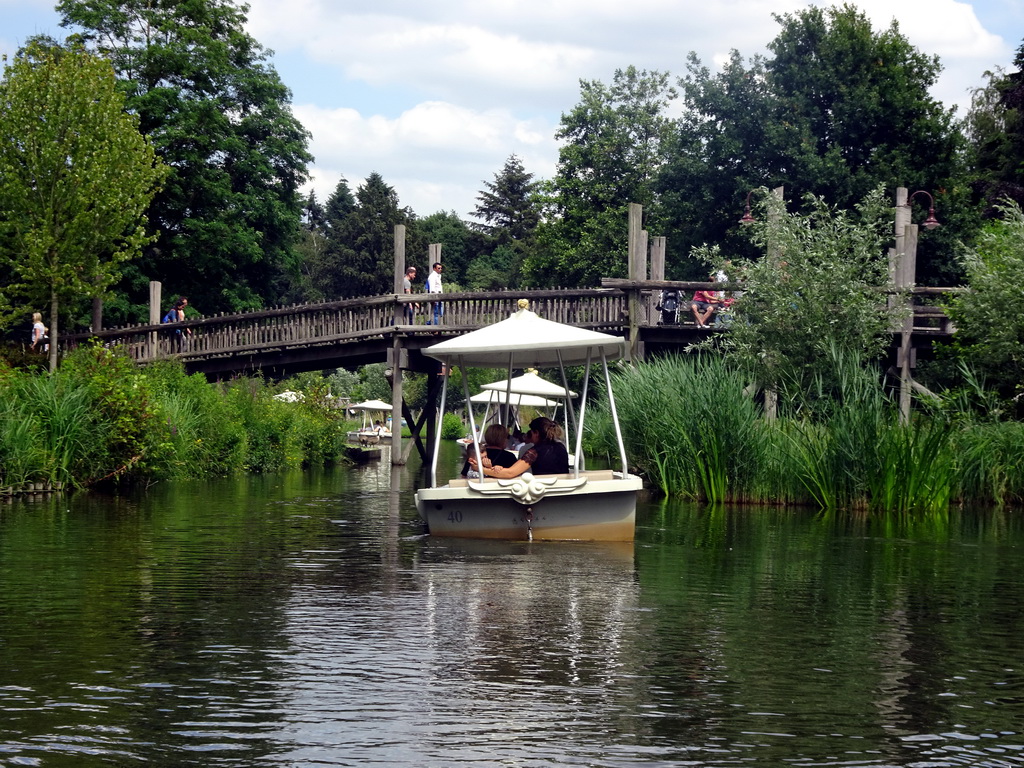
[407, 282]
[176, 314]
[434, 286]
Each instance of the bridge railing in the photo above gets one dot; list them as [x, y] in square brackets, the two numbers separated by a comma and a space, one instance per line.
[928, 317]
[337, 322]
[351, 320]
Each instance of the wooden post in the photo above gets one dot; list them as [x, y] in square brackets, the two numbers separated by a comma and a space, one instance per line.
[397, 455]
[155, 288]
[901, 220]
[658, 258]
[398, 361]
[637, 266]
[399, 276]
[771, 397]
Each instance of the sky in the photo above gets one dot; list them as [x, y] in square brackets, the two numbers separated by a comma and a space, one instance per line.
[435, 96]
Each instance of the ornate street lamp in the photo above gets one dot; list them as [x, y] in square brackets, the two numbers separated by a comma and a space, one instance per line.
[747, 217]
[931, 222]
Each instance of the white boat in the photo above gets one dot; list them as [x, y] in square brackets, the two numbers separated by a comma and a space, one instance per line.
[370, 433]
[579, 505]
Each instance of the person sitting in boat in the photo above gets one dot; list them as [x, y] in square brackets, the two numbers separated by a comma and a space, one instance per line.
[548, 456]
[493, 449]
[515, 441]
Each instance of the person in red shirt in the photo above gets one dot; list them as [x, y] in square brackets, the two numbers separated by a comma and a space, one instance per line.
[703, 306]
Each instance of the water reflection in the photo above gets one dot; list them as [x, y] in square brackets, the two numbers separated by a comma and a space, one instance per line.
[305, 620]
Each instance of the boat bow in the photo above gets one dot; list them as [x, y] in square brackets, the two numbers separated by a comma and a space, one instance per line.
[528, 488]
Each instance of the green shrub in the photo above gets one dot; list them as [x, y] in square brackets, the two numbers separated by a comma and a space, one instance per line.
[120, 400]
[452, 427]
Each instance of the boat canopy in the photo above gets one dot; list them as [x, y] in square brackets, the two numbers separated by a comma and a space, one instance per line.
[530, 383]
[526, 340]
[516, 399]
[371, 405]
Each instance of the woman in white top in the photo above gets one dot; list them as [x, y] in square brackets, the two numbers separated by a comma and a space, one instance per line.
[38, 333]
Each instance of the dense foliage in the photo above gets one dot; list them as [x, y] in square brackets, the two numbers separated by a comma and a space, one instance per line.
[99, 417]
[995, 127]
[817, 292]
[990, 324]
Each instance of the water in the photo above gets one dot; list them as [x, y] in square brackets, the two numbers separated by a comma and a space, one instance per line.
[304, 620]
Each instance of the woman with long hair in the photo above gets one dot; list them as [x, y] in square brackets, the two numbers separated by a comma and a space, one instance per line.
[548, 456]
[38, 333]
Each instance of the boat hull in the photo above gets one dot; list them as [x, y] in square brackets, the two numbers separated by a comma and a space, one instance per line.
[601, 509]
[361, 455]
[369, 438]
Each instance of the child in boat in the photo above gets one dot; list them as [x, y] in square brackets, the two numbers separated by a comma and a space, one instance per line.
[493, 450]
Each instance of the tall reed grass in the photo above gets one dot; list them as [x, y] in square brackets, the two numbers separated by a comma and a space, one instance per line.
[693, 430]
[99, 417]
[688, 426]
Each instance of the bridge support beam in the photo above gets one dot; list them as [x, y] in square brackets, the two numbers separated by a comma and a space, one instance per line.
[398, 455]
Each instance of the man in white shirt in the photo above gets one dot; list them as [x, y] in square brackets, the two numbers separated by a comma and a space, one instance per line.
[434, 286]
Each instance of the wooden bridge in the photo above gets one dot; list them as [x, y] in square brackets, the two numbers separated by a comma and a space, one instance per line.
[354, 332]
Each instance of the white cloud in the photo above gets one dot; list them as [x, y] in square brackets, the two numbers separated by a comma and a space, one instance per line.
[436, 155]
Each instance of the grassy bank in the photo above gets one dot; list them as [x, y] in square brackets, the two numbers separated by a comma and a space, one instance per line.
[693, 431]
[101, 418]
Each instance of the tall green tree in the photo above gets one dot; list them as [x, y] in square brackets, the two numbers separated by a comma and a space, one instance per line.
[300, 279]
[995, 127]
[719, 150]
[362, 245]
[507, 204]
[511, 209]
[76, 178]
[612, 152]
[835, 110]
[219, 115]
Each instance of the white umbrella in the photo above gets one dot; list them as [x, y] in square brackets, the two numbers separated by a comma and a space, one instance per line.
[371, 405]
[530, 383]
[516, 399]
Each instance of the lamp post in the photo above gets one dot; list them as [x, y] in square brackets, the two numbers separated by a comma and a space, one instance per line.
[771, 397]
[931, 222]
[747, 217]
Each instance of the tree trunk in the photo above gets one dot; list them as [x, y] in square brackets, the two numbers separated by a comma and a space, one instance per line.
[53, 331]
